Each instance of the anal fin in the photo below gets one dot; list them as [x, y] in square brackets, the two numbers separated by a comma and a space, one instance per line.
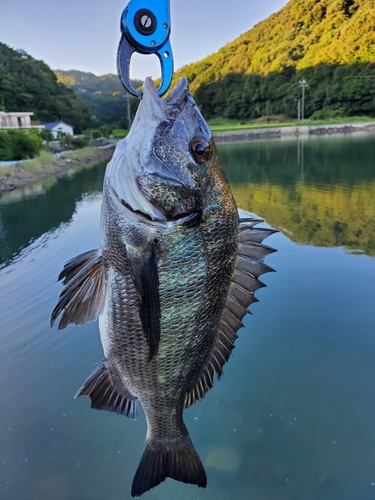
[104, 395]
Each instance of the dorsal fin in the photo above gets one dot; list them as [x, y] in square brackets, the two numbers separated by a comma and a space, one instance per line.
[249, 266]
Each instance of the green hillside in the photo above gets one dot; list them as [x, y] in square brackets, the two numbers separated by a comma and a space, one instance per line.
[330, 43]
[104, 95]
[30, 85]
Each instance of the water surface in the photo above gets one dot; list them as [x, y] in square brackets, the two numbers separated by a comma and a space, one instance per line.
[294, 416]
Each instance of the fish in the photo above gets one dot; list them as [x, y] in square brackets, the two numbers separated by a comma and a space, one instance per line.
[177, 268]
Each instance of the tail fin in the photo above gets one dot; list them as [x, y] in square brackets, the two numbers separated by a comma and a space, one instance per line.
[176, 459]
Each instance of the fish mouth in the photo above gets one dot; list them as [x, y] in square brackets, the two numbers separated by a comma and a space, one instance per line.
[190, 219]
[169, 107]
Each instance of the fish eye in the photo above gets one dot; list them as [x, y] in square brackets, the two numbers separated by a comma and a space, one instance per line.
[200, 149]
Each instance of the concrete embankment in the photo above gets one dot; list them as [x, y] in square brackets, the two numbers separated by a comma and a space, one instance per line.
[290, 132]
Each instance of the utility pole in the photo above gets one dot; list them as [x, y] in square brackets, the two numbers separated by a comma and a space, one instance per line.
[127, 97]
[303, 84]
[129, 116]
[298, 109]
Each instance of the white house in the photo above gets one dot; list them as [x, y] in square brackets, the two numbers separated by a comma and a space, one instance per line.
[17, 119]
[59, 127]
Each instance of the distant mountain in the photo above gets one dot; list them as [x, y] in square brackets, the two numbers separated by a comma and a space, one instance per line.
[27, 84]
[329, 43]
[103, 95]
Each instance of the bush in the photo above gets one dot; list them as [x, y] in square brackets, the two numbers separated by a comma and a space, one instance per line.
[19, 145]
[46, 134]
[23, 145]
[36, 136]
[70, 142]
[323, 114]
[102, 131]
[105, 130]
[80, 142]
[6, 147]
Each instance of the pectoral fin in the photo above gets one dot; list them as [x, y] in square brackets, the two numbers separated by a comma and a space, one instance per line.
[83, 297]
[146, 280]
[249, 266]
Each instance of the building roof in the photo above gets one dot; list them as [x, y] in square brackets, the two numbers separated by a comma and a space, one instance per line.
[17, 113]
[52, 125]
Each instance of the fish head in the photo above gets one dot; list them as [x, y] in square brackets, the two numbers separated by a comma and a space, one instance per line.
[161, 169]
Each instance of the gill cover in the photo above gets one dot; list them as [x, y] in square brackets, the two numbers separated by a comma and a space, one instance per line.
[161, 168]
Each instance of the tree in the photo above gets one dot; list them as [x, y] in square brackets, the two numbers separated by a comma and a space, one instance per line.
[30, 85]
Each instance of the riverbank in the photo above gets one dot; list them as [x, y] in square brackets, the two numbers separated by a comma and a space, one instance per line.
[18, 175]
[280, 132]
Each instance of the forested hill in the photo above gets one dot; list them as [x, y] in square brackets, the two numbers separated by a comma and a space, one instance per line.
[104, 95]
[30, 85]
[330, 43]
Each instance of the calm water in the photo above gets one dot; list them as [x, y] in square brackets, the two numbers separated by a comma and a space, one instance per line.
[294, 416]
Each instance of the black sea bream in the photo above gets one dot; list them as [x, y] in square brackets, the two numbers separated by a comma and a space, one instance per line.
[171, 282]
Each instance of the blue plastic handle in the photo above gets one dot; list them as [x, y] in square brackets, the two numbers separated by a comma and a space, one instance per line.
[145, 27]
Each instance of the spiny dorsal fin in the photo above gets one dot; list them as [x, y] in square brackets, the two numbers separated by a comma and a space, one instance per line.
[248, 267]
[258, 234]
[104, 394]
[83, 297]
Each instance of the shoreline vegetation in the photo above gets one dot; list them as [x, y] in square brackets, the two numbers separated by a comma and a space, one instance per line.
[227, 125]
[17, 175]
[13, 176]
[220, 124]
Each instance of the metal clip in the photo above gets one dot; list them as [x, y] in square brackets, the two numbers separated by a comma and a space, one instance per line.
[145, 27]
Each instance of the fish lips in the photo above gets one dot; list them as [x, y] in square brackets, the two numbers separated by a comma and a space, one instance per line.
[170, 197]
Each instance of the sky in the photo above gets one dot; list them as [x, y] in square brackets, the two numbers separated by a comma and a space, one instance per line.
[84, 34]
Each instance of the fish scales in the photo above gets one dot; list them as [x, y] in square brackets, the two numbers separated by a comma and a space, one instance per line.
[187, 322]
[181, 346]
[170, 284]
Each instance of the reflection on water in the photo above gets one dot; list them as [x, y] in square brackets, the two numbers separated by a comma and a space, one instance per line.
[28, 213]
[319, 192]
[326, 216]
[293, 417]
